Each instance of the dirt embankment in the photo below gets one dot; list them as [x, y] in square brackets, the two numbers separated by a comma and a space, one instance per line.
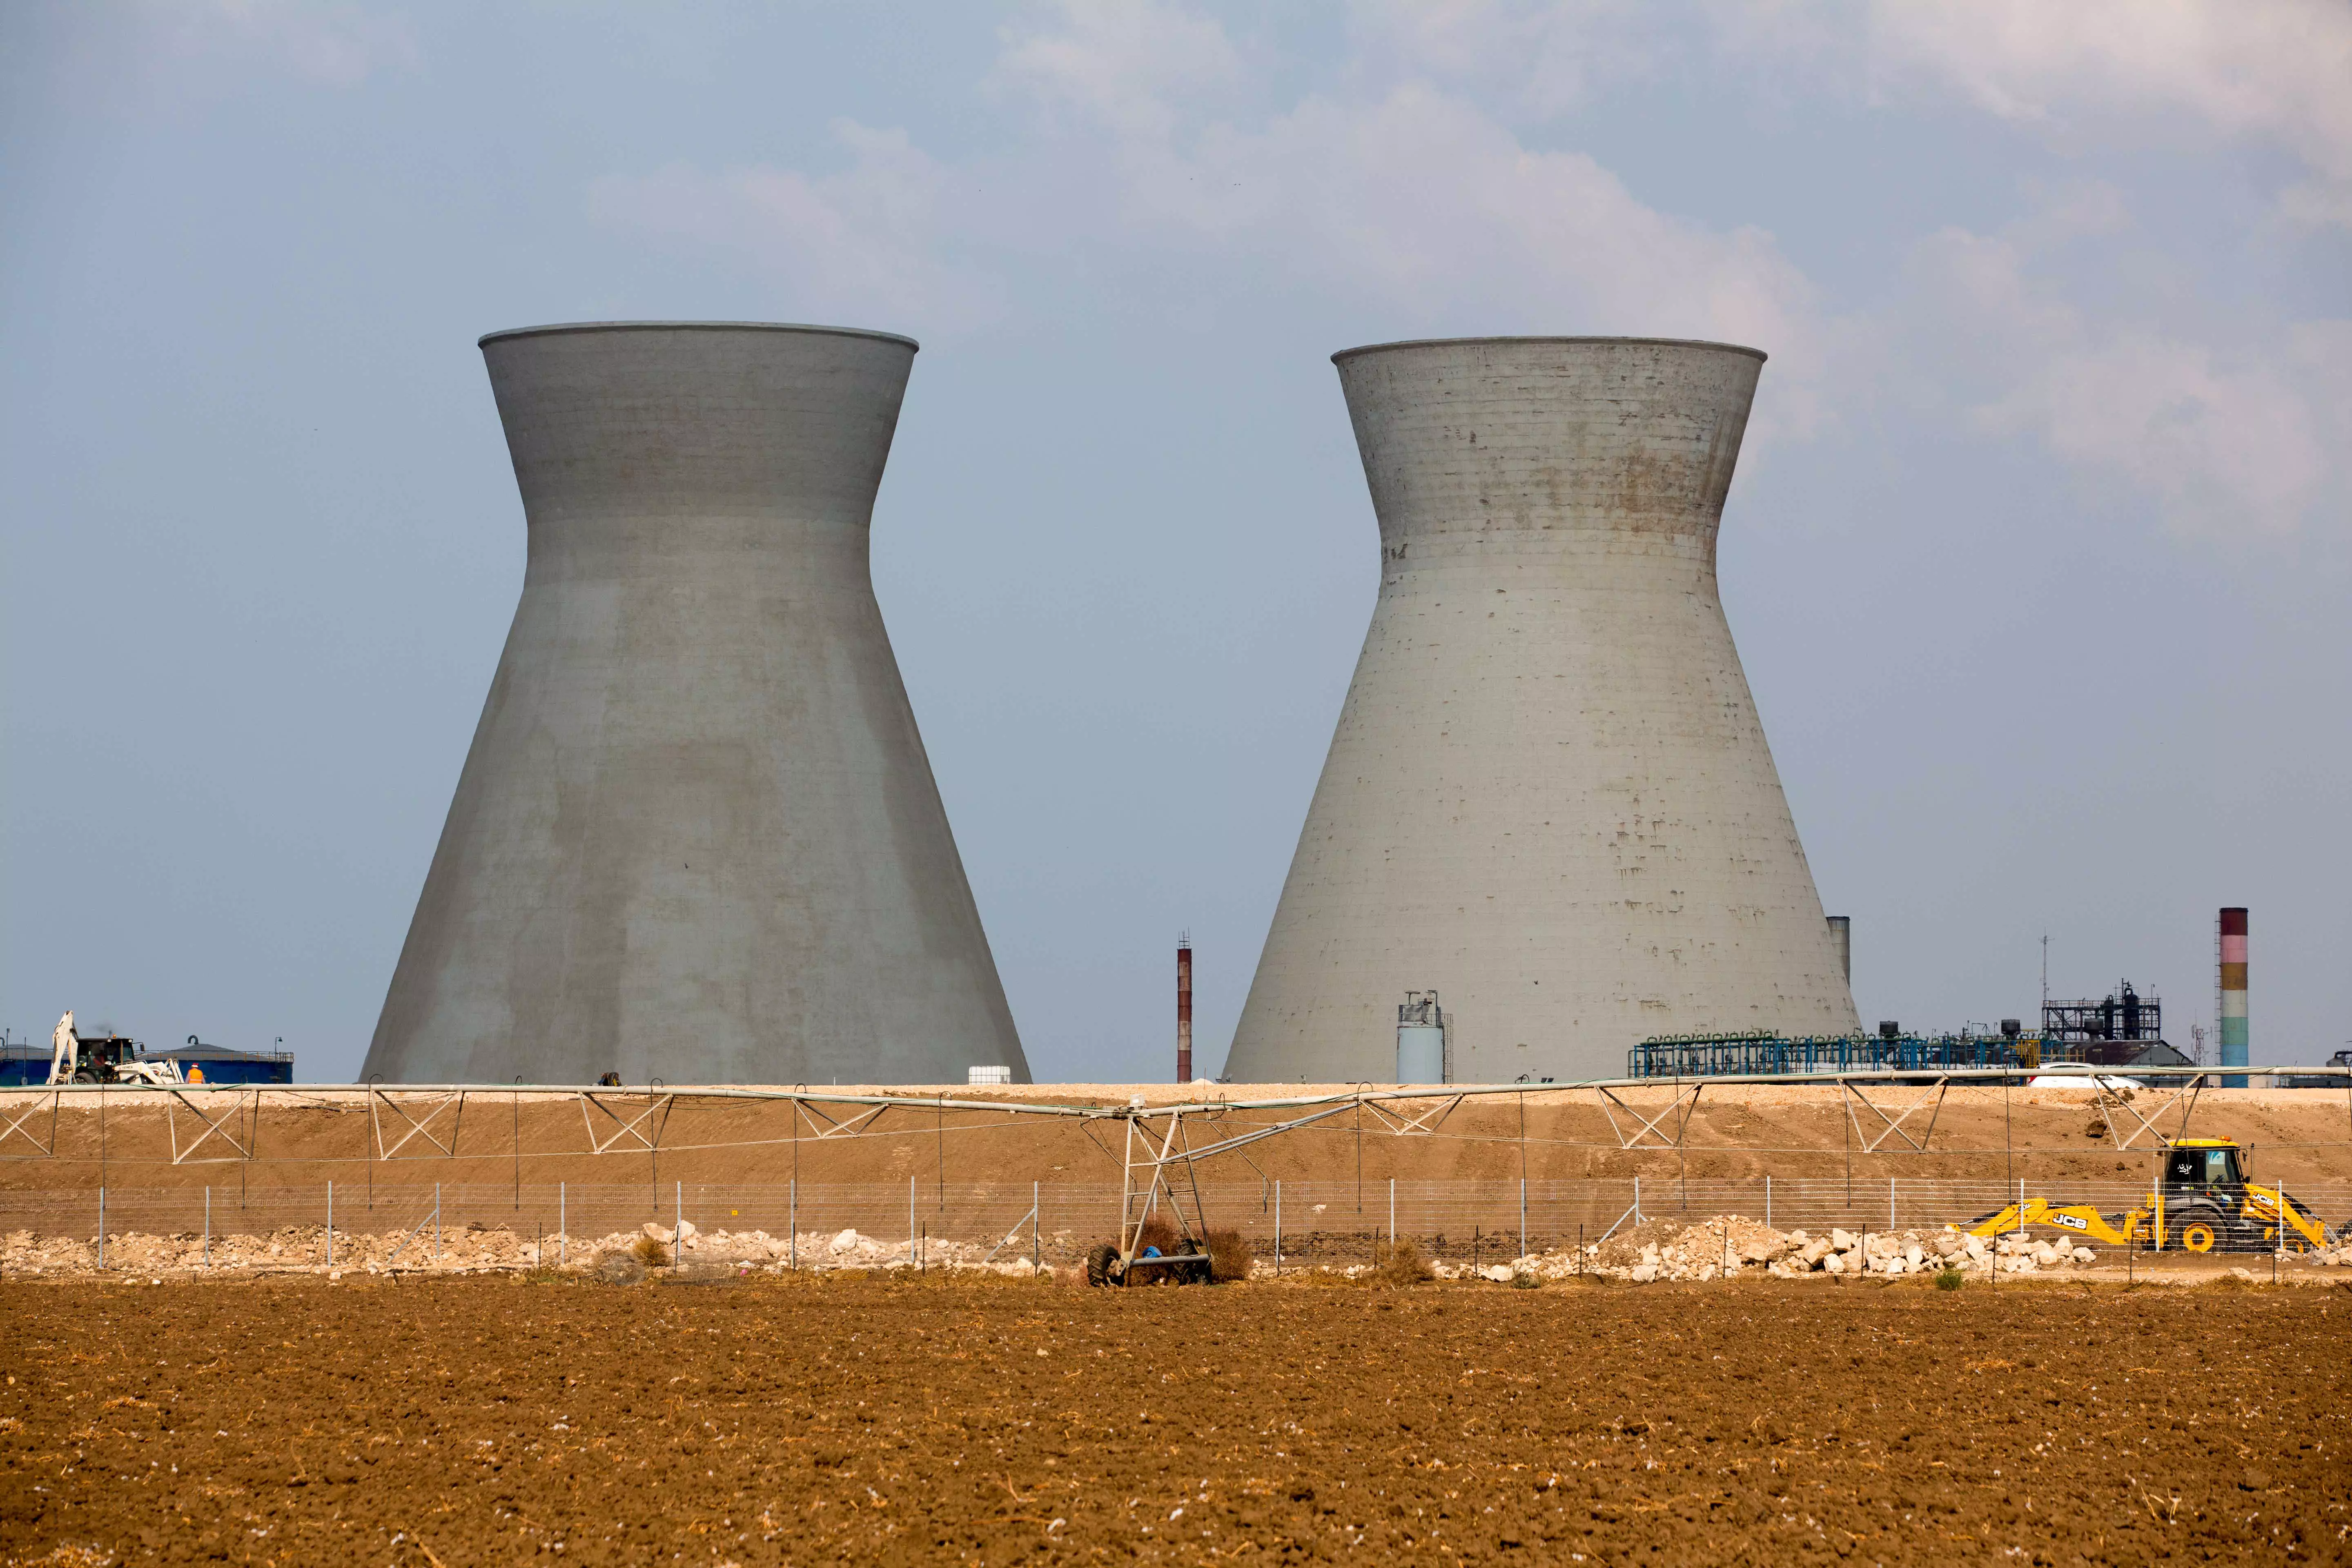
[790, 1420]
[141, 1139]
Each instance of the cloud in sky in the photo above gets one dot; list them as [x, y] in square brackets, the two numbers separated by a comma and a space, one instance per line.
[2274, 71]
[1415, 199]
[1118, 63]
[1402, 180]
[2227, 438]
[1528, 60]
[323, 41]
[872, 235]
[2055, 437]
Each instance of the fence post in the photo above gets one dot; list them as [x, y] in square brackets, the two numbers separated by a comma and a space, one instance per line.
[677, 1227]
[1523, 1216]
[1767, 1203]
[2020, 1221]
[793, 1219]
[562, 1222]
[911, 1254]
[101, 1227]
[1391, 1214]
[208, 1228]
[1637, 1200]
[436, 1222]
[1277, 1227]
[1036, 1216]
[330, 1224]
[1890, 1206]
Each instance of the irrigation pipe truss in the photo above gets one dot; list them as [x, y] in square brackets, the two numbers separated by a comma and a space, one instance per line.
[222, 1117]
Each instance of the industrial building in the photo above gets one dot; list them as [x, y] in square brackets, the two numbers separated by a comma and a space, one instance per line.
[24, 1066]
[697, 839]
[1549, 798]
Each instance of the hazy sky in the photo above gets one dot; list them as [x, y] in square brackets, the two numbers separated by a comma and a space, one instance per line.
[2038, 556]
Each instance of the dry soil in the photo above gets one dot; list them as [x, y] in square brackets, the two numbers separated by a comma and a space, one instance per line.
[792, 1420]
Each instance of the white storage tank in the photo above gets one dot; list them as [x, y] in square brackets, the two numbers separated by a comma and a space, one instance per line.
[1420, 1040]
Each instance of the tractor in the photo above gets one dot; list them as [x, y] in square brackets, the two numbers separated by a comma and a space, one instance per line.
[2202, 1202]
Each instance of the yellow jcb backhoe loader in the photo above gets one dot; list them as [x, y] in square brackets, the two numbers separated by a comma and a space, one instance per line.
[2202, 1203]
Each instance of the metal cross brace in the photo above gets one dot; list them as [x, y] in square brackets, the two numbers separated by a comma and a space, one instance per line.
[629, 1128]
[214, 1126]
[431, 1216]
[1428, 1122]
[2109, 1102]
[1649, 1125]
[417, 1129]
[1011, 1235]
[845, 1126]
[1894, 1124]
[18, 1125]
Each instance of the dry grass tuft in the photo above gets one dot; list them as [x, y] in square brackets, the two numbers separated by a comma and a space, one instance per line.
[651, 1253]
[1400, 1262]
[1231, 1257]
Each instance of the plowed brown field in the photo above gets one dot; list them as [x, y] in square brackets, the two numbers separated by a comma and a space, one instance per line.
[458, 1421]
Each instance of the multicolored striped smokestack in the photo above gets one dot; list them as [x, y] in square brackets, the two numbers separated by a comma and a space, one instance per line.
[2233, 1019]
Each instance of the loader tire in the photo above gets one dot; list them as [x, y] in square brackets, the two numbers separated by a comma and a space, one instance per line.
[1100, 1260]
[2199, 1229]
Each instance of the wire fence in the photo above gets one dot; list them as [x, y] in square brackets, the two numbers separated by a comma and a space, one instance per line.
[1298, 1221]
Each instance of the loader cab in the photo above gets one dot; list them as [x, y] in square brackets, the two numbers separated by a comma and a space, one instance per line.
[2204, 1166]
[99, 1056]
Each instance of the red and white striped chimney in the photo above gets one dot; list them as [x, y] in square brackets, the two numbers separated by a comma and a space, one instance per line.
[1184, 1009]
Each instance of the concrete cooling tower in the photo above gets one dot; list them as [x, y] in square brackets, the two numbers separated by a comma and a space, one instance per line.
[1548, 799]
[697, 837]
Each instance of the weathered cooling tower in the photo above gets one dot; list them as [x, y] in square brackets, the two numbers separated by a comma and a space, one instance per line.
[697, 837]
[1549, 798]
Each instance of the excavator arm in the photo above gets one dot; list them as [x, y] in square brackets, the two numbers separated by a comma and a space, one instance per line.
[2076, 1219]
[2281, 1215]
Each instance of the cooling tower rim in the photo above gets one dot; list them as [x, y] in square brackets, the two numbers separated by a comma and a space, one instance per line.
[1346, 355]
[488, 338]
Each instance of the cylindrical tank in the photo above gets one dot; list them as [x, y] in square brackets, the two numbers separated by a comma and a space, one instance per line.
[2235, 1041]
[1841, 939]
[1549, 792]
[1421, 1039]
[697, 837]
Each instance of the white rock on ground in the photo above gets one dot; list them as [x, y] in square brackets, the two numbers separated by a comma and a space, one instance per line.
[1696, 1251]
[466, 1249]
